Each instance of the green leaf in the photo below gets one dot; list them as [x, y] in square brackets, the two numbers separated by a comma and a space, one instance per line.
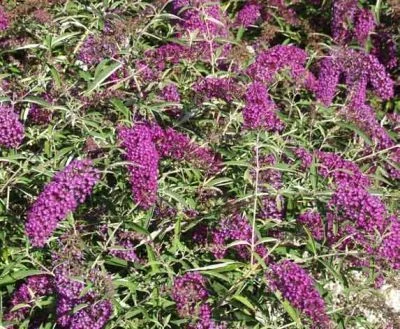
[62, 38]
[291, 311]
[120, 107]
[175, 196]
[240, 34]
[176, 243]
[229, 265]
[356, 130]
[79, 307]
[332, 270]
[245, 301]
[30, 46]
[103, 71]
[311, 242]
[125, 283]
[55, 75]
[152, 259]
[237, 164]
[37, 100]
[114, 261]
[219, 181]
[4, 99]
[314, 174]
[11, 278]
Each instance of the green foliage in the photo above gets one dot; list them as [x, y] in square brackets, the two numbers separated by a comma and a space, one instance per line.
[87, 105]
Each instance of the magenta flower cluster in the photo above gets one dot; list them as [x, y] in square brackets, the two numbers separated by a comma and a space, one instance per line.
[362, 220]
[171, 53]
[4, 21]
[328, 80]
[126, 247]
[94, 49]
[71, 293]
[298, 288]
[175, 145]
[341, 171]
[190, 295]
[305, 157]
[11, 129]
[313, 222]
[194, 15]
[354, 216]
[273, 60]
[234, 228]
[143, 170]
[260, 110]
[207, 22]
[145, 144]
[220, 88]
[364, 24]
[385, 49]
[358, 69]
[389, 249]
[26, 295]
[160, 58]
[62, 195]
[170, 93]
[188, 292]
[350, 21]
[255, 11]
[270, 181]
[249, 14]
[364, 116]
[39, 115]
[366, 212]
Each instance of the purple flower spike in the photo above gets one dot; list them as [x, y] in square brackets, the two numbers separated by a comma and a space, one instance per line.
[248, 15]
[234, 228]
[364, 25]
[298, 288]
[35, 286]
[260, 110]
[95, 312]
[390, 247]
[385, 49]
[170, 93]
[277, 58]
[175, 145]
[141, 151]
[329, 73]
[349, 22]
[95, 49]
[188, 291]
[4, 22]
[357, 68]
[11, 129]
[61, 196]
[313, 222]
[222, 88]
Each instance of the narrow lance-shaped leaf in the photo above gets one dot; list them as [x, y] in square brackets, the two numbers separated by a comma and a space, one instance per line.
[102, 74]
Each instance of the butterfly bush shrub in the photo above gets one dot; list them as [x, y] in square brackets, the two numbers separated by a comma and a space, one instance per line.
[199, 164]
